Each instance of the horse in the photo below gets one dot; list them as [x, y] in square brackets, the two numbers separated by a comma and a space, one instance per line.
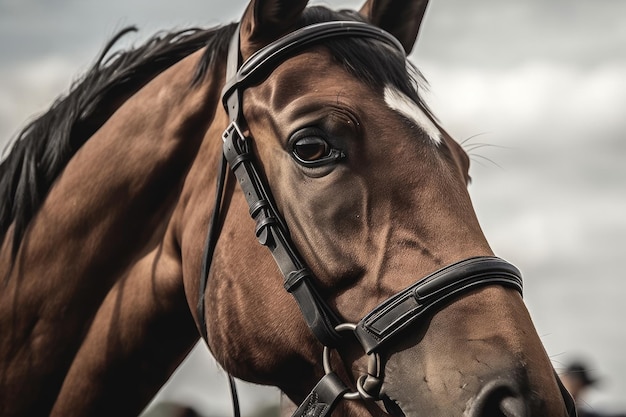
[125, 238]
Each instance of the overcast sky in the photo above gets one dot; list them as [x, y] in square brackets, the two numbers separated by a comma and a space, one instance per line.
[544, 81]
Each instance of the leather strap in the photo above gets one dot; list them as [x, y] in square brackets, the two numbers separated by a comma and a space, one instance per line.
[404, 308]
[209, 246]
[232, 100]
[323, 398]
[273, 233]
[260, 64]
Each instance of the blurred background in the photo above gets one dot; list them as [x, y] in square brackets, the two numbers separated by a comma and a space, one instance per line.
[536, 89]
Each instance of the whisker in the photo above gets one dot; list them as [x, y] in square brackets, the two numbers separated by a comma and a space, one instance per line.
[471, 147]
[484, 158]
[482, 164]
[473, 137]
[475, 146]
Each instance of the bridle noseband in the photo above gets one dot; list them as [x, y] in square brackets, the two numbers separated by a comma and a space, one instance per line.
[385, 322]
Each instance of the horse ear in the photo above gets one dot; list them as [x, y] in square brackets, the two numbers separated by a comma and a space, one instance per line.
[401, 18]
[266, 20]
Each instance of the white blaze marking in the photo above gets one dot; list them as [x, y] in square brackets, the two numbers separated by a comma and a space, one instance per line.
[399, 102]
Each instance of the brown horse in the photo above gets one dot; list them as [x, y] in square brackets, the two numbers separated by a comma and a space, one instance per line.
[362, 200]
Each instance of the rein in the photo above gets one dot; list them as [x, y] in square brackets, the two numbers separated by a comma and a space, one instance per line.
[385, 322]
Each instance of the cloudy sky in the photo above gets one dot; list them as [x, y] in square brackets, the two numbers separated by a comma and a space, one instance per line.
[544, 82]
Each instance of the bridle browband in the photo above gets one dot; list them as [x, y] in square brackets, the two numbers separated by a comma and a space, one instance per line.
[385, 322]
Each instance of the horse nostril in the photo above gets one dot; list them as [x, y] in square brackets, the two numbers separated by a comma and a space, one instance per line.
[499, 399]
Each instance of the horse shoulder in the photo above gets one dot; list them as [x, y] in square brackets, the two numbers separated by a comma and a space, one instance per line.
[141, 332]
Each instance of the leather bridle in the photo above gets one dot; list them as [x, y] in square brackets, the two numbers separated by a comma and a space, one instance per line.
[385, 322]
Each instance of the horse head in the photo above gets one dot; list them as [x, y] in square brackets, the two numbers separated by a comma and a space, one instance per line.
[372, 192]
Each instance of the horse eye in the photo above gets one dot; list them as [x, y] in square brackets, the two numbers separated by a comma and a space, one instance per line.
[311, 148]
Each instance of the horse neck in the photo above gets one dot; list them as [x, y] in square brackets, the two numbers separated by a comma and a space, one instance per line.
[123, 184]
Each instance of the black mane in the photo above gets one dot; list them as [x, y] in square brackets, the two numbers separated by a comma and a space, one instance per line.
[45, 146]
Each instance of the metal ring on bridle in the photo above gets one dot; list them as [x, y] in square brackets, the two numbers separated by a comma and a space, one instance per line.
[373, 368]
